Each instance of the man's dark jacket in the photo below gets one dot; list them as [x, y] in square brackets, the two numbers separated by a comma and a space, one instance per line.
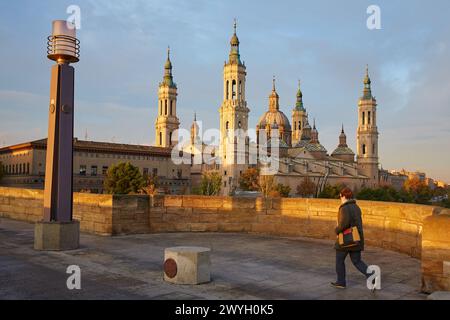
[350, 216]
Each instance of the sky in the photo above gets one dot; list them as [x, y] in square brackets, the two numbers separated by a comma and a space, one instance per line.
[326, 44]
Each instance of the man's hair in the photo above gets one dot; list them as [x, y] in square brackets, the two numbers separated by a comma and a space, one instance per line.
[347, 193]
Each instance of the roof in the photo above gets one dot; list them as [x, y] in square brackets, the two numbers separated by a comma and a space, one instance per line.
[343, 151]
[96, 146]
[274, 116]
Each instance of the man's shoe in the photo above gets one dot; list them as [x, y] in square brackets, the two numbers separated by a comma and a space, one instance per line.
[337, 285]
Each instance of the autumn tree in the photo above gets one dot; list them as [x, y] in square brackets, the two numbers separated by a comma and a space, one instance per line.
[266, 185]
[420, 192]
[151, 184]
[306, 188]
[249, 180]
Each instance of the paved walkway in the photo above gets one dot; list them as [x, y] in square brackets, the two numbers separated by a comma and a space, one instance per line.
[243, 267]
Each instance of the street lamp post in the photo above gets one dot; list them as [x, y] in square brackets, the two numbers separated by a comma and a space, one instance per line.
[57, 230]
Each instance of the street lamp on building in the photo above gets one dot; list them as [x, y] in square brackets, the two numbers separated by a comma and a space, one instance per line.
[57, 230]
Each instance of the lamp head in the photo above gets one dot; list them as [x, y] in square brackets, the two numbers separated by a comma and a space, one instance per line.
[63, 46]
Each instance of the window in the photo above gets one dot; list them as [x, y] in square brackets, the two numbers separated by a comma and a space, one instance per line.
[170, 138]
[299, 125]
[364, 149]
[171, 106]
[233, 89]
[240, 88]
[82, 170]
[239, 125]
[295, 125]
[160, 108]
[368, 117]
[93, 170]
[373, 148]
[155, 171]
[104, 170]
[165, 107]
[145, 171]
[160, 138]
[227, 125]
[225, 173]
[28, 168]
[228, 89]
[363, 118]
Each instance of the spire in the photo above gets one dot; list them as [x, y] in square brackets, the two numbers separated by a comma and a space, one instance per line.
[314, 133]
[367, 94]
[234, 42]
[342, 138]
[299, 103]
[306, 132]
[195, 116]
[168, 78]
[274, 98]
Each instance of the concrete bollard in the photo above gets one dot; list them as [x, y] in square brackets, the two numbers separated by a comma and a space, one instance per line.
[187, 265]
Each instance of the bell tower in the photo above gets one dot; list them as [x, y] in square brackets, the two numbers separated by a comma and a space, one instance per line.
[234, 112]
[299, 117]
[367, 134]
[167, 122]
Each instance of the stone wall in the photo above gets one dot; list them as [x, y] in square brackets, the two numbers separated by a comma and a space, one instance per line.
[436, 253]
[392, 226]
[99, 214]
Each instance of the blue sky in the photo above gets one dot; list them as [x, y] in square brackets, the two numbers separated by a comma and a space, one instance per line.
[326, 44]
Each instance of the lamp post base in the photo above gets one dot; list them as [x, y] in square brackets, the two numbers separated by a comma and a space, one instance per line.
[56, 236]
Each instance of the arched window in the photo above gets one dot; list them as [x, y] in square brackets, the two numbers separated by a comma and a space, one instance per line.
[160, 108]
[240, 88]
[299, 125]
[368, 117]
[364, 149]
[363, 118]
[28, 168]
[233, 89]
[165, 107]
[295, 125]
[170, 138]
[373, 148]
[239, 125]
[226, 125]
[228, 89]
[171, 105]
[160, 138]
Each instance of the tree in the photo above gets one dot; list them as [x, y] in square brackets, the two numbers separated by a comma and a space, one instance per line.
[420, 192]
[249, 180]
[283, 190]
[331, 192]
[267, 185]
[151, 184]
[123, 178]
[210, 184]
[306, 188]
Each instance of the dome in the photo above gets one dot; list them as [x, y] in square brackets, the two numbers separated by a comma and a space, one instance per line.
[343, 151]
[315, 147]
[274, 116]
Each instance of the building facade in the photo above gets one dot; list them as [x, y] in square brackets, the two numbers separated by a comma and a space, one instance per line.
[24, 165]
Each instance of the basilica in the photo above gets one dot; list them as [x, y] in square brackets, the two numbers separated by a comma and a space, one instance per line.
[291, 143]
[300, 153]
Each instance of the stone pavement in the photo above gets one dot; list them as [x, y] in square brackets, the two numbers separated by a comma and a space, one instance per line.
[243, 267]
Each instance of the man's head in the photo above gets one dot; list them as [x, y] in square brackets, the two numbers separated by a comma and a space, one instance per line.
[346, 194]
